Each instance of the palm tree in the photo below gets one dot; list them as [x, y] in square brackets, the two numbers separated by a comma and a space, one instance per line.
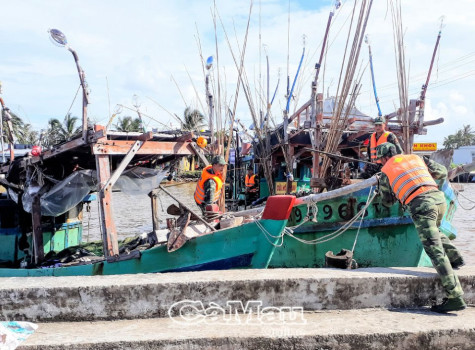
[17, 125]
[29, 136]
[192, 120]
[127, 124]
[463, 137]
[59, 132]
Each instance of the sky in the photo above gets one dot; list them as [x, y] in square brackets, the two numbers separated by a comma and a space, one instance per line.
[146, 54]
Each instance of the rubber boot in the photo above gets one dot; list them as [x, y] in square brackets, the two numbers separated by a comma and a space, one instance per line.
[448, 305]
[457, 263]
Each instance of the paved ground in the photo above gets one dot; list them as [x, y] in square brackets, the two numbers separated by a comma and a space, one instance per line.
[344, 329]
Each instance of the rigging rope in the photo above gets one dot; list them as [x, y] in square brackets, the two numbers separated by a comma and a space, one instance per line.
[267, 234]
[466, 198]
[338, 232]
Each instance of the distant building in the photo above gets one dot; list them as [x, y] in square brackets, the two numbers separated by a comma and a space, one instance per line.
[464, 155]
[19, 150]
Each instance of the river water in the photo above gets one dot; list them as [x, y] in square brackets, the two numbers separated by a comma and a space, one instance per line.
[132, 215]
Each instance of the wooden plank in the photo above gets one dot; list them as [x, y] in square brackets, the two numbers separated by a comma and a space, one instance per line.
[185, 137]
[154, 201]
[118, 147]
[53, 153]
[101, 133]
[199, 153]
[146, 136]
[38, 249]
[109, 232]
[123, 164]
[300, 110]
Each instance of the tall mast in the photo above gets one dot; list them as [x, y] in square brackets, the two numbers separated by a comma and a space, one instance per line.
[372, 75]
[209, 95]
[424, 87]
[316, 133]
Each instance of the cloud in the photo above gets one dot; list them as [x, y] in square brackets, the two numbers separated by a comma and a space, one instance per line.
[138, 46]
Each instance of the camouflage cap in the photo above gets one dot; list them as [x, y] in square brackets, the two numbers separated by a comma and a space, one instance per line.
[385, 149]
[218, 160]
[379, 120]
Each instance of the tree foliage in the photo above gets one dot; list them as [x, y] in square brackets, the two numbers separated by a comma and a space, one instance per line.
[58, 131]
[463, 137]
[192, 120]
[128, 124]
[22, 132]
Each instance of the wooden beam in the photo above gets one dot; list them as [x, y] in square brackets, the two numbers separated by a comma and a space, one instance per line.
[48, 154]
[109, 232]
[38, 249]
[185, 137]
[154, 201]
[123, 164]
[146, 136]
[117, 147]
[300, 110]
[199, 153]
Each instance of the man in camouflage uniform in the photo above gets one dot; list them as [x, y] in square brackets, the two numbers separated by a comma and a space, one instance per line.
[427, 210]
[379, 133]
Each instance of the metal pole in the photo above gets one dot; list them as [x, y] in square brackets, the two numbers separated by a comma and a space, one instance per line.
[85, 100]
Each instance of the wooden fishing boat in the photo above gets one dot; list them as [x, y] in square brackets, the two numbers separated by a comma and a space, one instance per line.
[50, 186]
[320, 149]
[381, 237]
[248, 245]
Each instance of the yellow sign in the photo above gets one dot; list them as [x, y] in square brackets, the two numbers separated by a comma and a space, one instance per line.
[281, 187]
[427, 146]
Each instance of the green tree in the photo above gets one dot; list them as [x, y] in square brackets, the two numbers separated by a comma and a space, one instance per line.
[463, 137]
[192, 120]
[128, 124]
[58, 132]
[29, 136]
[17, 124]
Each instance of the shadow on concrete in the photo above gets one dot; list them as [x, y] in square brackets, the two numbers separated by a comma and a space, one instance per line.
[398, 271]
[424, 311]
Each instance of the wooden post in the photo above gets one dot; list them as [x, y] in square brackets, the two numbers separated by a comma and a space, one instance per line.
[290, 158]
[317, 130]
[38, 249]
[109, 232]
[155, 222]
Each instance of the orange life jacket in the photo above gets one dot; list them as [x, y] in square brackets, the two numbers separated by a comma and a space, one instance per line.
[200, 186]
[250, 180]
[408, 176]
[374, 144]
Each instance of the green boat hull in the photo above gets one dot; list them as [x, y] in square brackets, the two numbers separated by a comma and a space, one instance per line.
[386, 238]
[245, 246]
[56, 237]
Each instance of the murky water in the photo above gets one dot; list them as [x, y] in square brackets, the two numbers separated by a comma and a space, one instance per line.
[464, 221]
[132, 215]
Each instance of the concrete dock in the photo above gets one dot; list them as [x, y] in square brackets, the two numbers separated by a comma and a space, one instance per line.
[377, 308]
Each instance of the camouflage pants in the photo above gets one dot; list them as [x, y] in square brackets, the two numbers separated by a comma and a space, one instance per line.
[427, 211]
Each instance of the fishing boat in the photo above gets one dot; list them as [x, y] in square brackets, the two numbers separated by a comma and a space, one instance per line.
[317, 153]
[247, 245]
[46, 191]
